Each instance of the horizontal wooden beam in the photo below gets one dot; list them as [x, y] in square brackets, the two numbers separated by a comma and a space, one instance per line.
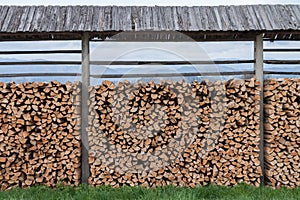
[281, 50]
[37, 74]
[281, 73]
[202, 36]
[42, 63]
[147, 75]
[206, 62]
[172, 74]
[286, 62]
[40, 52]
[39, 36]
[127, 62]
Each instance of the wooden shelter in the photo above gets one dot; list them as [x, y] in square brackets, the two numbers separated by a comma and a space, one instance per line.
[205, 23]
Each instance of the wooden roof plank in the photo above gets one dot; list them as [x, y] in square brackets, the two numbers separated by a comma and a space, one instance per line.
[21, 25]
[256, 18]
[107, 19]
[102, 19]
[175, 18]
[240, 17]
[12, 16]
[294, 18]
[1, 8]
[161, 20]
[203, 18]
[140, 13]
[76, 15]
[48, 14]
[89, 18]
[224, 17]
[212, 20]
[134, 18]
[127, 22]
[248, 20]
[192, 19]
[233, 18]
[116, 24]
[60, 18]
[151, 18]
[296, 12]
[156, 25]
[8, 18]
[287, 19]
[4, 10]
[180, 20]
[82, 20]
[29, 19]
[279, 20]
[148, 17]
[96, 19]
[186, 18]
[15, 21]
[43, 20]
[144, 18]
[170, 21]
[54, 16]
[264, 18]
[274, 20]
[197, 18]
[38, 13]
[67, 24]
[218, 18]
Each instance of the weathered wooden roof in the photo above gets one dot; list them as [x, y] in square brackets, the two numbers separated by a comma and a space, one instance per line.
[275, 20]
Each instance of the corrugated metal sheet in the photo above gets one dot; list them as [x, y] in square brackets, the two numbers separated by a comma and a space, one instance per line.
[33, 19]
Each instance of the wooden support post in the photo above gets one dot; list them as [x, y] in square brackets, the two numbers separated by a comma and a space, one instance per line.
[259, 74]
[85, 77]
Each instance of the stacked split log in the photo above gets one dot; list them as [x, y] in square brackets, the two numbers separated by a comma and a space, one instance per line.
[238, 145]
[282, 132]
[153, 134]
[40, 134]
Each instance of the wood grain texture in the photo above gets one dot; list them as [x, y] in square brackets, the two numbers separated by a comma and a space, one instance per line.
[85, 73]
[128, 18]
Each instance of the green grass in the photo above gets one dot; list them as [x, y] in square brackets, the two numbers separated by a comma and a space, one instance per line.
[241, 192]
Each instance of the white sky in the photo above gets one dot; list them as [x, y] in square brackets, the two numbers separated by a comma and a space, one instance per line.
[146, 2]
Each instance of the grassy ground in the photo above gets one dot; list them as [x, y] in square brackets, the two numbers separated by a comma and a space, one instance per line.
[240, 192]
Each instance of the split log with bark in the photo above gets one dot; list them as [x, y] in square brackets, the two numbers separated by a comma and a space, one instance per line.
[179, 133]
[39, 134]
[282, 132]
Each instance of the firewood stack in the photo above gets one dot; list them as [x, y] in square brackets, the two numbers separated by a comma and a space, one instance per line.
[156, 134]
[40, 134]
[235, 157]
[282, 132]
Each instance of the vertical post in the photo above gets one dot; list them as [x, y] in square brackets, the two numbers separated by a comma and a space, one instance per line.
[259, 75]
[85, 77]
